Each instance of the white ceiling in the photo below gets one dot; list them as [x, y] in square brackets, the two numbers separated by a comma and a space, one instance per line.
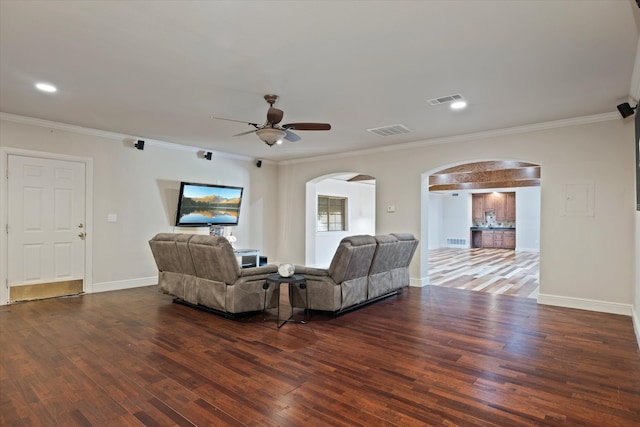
[159, 70]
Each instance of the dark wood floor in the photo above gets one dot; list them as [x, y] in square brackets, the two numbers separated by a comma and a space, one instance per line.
[430, 356]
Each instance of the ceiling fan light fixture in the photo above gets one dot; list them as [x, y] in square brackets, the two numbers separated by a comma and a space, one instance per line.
[271, 136]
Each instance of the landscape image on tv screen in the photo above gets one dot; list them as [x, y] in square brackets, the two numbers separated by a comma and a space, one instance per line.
[204, 204]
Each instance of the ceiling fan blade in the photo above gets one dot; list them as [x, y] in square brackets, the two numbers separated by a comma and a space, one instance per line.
[291, 137]
[246, 133]
[233, 120]
[307, 126]
[274, 115]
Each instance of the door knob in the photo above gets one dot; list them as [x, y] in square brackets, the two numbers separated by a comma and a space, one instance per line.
[81, 235]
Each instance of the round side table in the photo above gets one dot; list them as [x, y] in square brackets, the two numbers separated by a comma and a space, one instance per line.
[295, 280]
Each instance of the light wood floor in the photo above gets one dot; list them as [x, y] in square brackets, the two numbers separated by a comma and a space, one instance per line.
[494, 271]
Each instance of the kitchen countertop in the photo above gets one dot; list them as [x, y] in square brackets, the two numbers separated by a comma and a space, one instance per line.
[493, 228]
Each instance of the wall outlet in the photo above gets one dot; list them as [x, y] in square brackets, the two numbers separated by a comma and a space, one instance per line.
[391, 209]
[112, 217]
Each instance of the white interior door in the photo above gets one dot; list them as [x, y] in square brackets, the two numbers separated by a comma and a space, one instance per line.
[46, 223]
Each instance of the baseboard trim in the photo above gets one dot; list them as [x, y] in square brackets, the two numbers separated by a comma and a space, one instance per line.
[528, 250]
[636, 325]
[586, 304]
[124, 284]
[419, 283]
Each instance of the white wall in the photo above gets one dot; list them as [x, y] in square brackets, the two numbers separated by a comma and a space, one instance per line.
[585, 261]
[141, 187]
[361, 216]
[528, 219]
[435, 214]
[456, 218]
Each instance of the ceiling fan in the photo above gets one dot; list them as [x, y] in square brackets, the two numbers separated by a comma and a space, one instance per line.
[271, 132]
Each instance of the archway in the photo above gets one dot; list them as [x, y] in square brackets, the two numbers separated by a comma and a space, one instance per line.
[449, 188]
[358, 190]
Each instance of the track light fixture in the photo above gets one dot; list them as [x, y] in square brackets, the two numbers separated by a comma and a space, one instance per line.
[139, 144]
[626, 110]
[208, 155]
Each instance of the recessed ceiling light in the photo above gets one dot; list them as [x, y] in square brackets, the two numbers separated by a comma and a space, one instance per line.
[46, 87]
[458, 105]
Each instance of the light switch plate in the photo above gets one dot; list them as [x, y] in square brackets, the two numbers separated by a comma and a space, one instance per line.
[112, 217]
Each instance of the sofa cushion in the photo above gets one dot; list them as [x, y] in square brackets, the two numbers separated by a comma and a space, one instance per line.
[213, 259]
[165, 252]
[408, 243]
[352, 258]
[387, 254]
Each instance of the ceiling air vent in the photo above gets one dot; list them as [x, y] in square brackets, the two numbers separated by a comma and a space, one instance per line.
[445, 99]
[390, 130]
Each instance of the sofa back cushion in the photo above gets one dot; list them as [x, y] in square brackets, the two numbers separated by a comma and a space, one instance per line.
[165, 252]
[182, 244]
[352, 258]
[214, 259]
[387, 255]
[407, 244]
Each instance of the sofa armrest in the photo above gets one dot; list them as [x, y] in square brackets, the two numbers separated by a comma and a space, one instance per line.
[311, 271]
[256, 271]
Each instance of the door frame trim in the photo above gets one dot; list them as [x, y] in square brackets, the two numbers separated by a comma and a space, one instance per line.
[5, 152]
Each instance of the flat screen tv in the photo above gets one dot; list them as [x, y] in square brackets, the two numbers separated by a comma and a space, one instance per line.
[202, 205]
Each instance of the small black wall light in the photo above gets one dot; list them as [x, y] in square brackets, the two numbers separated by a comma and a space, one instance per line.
[626, 110]
[139, 144]
[259, 163]
[208, 155]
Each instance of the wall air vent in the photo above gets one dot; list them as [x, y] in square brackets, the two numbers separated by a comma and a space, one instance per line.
[446, 99]
[456, 242]
[390, 130]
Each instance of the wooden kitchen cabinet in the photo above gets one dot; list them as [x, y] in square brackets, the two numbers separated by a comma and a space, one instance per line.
[511, 206]
[502, 204]
[509, 240]
[477, 207]
[500, 239]
[487, 239]
[489, 202]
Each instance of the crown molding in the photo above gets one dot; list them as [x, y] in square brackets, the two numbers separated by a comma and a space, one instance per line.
[114, 135]
[576, 121]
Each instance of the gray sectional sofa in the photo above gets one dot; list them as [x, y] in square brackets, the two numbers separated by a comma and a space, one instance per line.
[363, 269]
[203, 271]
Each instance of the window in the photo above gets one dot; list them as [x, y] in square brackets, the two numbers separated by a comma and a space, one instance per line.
[332, 213]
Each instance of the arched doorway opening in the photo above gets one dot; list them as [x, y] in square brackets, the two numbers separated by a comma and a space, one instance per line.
[358, 194]
[454, 254]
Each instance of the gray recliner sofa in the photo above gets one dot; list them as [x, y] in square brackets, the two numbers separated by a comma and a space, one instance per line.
[389, 269]
[363, 269]
[203, 271]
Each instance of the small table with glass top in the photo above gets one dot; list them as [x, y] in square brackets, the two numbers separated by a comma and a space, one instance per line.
[295, 280]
